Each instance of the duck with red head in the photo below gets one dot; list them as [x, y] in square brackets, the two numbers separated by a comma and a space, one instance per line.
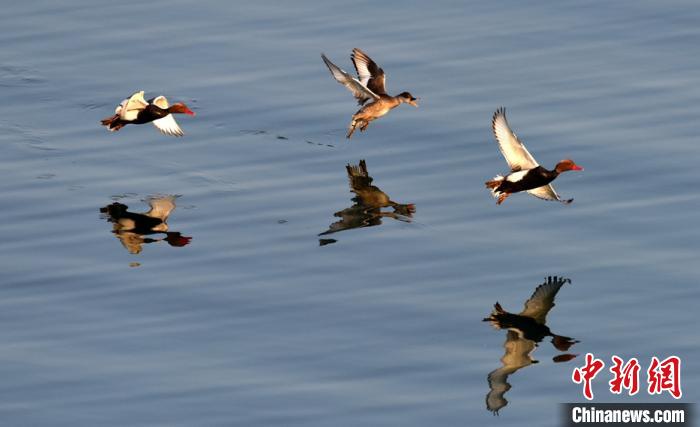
[136, 110]
[180, 108]
[567, 165]
[526, 174]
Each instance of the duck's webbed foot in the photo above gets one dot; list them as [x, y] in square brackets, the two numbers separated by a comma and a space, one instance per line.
[351, 129]
[362, 124]
[502, 197]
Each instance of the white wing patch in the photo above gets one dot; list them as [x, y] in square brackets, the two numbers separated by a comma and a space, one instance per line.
[161, 207]
[161, 102]
[120, 106]
[362, 69]
[517, 176]
[547, 192]
[168, 126]
[359, 90]
[513, 150]
[130, 108]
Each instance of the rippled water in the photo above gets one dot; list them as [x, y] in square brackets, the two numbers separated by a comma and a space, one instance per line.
[251, 315]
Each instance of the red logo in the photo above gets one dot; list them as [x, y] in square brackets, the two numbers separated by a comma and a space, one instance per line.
[662, 375]
[587, 373]
[665, 376]
[626, 376]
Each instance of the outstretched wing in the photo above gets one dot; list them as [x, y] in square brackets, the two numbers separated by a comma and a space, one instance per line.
[360, 91]
[161, 207]
[358, 176]
[160, 102]
[516, 357]
[166, 125]
[371, 76]
[131, 107]
[547, 192]
[513, 150]
[542, 300]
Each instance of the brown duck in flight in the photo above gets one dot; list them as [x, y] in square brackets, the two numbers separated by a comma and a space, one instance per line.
[368, 86]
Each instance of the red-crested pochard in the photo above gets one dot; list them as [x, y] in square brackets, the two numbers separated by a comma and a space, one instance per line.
[136, 110]
[526, 174]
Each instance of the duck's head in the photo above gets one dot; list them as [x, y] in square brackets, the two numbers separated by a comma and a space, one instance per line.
[567, 165]
[181, 108]
[408, 98]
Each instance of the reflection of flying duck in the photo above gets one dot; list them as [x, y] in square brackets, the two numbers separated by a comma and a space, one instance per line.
[368, 86]
[525, 331]
[130, 227]
[525, 173]
[137, 110]
[369, 201]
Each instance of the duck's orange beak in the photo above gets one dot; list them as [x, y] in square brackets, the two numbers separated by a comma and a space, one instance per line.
[576, 168]
[190, 112]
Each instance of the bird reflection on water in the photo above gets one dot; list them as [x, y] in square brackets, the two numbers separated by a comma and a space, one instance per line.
[368, 203]
[131, 228]
[525, 331]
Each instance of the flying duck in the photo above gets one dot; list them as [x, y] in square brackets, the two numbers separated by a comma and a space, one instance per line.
[526, 174]
[136, 110]
[368, 86]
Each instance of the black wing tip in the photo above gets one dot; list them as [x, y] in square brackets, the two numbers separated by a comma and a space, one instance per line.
[549, 280]
[549, 199]
[357, 52]
[330, 65]
[500, 111]
[358, 171]
[172, 133]
[556, 279]
[328, 62]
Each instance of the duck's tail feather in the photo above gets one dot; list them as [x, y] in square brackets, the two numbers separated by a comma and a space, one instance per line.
[493, 317]
[494, 184]
[113, 123]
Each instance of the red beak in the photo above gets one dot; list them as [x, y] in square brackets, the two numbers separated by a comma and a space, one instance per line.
[190, 112]
[576, 168]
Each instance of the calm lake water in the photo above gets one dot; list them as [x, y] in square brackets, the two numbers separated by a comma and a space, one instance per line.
[245, 312]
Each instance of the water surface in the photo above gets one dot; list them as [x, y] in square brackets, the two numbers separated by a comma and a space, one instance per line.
[254, 322]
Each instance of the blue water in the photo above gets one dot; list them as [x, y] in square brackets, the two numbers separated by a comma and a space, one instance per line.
[254, 322]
